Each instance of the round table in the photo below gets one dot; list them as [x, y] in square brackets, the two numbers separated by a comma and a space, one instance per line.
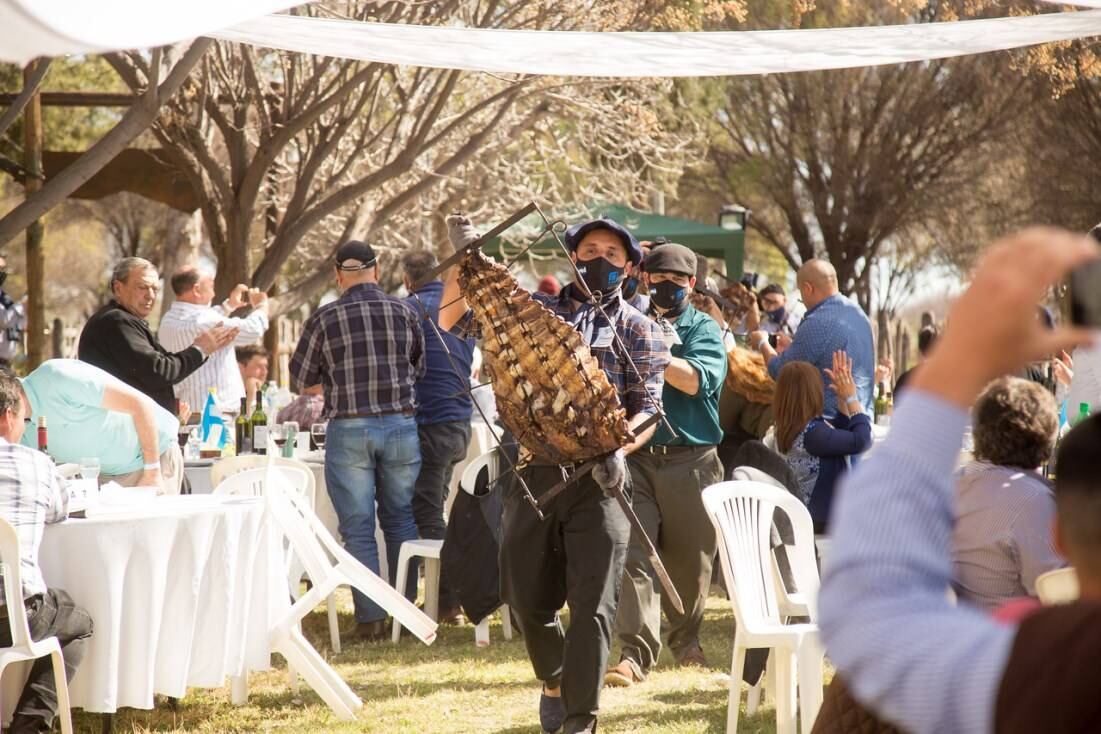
[182, 592]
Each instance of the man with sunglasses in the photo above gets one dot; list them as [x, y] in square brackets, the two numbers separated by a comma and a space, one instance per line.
[32, 494]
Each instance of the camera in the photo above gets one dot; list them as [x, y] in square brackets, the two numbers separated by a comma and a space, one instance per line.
[773, 340]
[1085, 290]
[749, 280]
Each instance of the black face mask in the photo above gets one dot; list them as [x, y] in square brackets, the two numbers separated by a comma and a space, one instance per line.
[600, 274]
[3, 276]
[667, 294]
[630, 288]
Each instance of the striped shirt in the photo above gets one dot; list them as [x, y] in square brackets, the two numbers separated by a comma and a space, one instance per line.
[366, 349]
[1002, 540]
[32, 494]
[905, 650]
[185, 321]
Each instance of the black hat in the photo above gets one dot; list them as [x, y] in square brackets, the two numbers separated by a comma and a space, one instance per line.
[354, 250]
[577, 232]
[671, 258]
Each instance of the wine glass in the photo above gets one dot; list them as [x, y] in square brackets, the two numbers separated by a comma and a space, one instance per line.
[317, 431]
[89, 468]
[278, 433]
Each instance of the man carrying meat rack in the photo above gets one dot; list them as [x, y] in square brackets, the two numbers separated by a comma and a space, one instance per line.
[576, 555]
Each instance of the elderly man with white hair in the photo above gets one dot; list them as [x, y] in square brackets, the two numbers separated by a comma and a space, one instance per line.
[118, 340]
[191, 314]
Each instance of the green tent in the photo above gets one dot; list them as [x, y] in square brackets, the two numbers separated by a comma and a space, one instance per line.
[708, 240]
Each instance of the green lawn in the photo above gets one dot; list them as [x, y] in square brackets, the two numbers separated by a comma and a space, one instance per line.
[453, 686]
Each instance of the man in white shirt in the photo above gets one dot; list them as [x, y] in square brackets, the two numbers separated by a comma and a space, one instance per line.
[32, 495]
[191, 314]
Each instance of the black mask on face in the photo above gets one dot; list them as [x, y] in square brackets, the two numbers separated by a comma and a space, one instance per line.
[3, 276]
[667, 294]
[600, 274]
[630, 288]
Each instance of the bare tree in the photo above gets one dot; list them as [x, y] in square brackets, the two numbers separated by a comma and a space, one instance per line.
[292, 153]
[838, 164]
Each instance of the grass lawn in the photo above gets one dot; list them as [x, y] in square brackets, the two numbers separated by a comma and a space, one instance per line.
[453, 686]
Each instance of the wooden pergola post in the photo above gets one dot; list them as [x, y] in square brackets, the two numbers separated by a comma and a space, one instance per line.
[36, 257]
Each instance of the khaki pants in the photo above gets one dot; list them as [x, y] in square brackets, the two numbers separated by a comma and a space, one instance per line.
[667, 498]
[172, 473]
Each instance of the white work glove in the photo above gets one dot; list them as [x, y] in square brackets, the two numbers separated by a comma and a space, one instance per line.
[460, 231]
[611, 472]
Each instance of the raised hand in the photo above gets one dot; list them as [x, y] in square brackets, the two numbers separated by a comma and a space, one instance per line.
[460, 231]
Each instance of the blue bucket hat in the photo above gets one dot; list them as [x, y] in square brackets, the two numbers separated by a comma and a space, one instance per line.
[577, 232]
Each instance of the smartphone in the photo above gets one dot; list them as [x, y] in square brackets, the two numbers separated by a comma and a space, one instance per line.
[1085, 290]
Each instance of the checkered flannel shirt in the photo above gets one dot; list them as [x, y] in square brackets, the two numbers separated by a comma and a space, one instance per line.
[32, 494]
[366, 349]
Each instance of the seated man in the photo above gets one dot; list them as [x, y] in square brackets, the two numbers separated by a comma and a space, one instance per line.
[904, 650]
[31, 495]
[1004, 507]
[252, 361]
[90, 413]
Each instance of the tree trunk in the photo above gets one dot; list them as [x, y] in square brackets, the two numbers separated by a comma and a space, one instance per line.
[36, 257]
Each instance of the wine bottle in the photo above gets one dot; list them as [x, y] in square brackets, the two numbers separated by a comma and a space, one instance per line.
[243, 429]
[42, 439]
[880, 405]
[259, 426]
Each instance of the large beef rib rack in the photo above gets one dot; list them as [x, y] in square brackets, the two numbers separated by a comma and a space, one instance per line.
[551, 392]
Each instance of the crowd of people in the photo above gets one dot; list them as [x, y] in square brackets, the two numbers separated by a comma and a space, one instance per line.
[782, 392]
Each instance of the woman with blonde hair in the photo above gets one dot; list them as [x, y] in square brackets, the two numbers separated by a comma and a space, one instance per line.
[818, 449]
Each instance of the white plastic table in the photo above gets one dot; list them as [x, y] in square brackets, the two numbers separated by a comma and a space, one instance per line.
[182, 592]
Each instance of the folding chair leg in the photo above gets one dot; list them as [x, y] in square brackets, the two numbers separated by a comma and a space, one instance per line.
[785, 691]
[238, 690]
[506, 621]
[481, 633]
[431, 588]
[61, 684]
[810, 684]
[403, 574]
[292, 678]
[323, 679]
[334, 624]
[735, 697]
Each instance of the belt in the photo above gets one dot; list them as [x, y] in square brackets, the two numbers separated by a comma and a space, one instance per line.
[666, 450]
[399, 411]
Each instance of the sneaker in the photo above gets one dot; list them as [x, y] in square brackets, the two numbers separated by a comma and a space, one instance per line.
[552, 713]
[693, 657]
[623, 675]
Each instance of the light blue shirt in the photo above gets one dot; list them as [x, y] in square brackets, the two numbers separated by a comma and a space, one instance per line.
[903, 648]
[834, 324]
[69, 394]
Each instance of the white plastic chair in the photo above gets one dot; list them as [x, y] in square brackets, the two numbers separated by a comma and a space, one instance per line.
[1057, 587]
[235, 465]
[328, 566]
[742, 515]
[24, 648]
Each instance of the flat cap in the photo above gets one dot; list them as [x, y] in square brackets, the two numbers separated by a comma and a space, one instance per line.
[671, 258]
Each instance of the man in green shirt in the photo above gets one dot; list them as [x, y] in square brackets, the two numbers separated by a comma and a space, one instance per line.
[90, 413]
[669, 475]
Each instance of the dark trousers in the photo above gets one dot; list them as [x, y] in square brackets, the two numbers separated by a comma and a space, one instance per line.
[575, 557]
[48, 615]
[667, 497]
[443, 446]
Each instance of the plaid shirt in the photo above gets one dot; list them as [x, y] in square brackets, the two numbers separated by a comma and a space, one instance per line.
[638, 333]
[366, 349]
[32, 494]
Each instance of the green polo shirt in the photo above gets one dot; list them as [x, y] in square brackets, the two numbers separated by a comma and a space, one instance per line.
[695, 417]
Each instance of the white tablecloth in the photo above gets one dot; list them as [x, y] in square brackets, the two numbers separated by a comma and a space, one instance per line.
[182, 593]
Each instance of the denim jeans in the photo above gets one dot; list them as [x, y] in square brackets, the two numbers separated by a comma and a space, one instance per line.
[369, 460]
[51, 614]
